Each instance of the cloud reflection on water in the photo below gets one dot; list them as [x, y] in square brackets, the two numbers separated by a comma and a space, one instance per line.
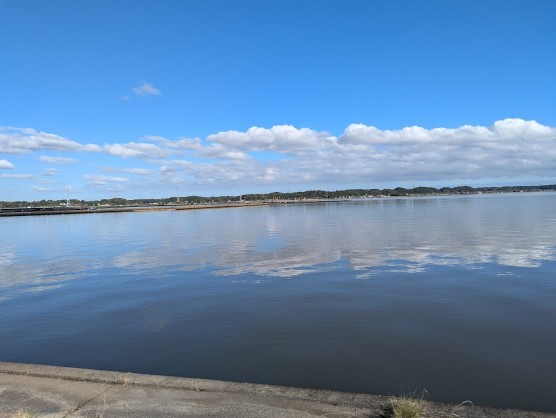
[308, 241]
[31, 278]
[370, 238]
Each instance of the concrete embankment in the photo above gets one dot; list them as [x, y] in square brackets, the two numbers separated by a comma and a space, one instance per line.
[115, 209]
[47, 391]
[79, 211]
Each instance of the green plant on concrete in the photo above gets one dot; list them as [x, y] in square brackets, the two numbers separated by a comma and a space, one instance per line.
[405, 407]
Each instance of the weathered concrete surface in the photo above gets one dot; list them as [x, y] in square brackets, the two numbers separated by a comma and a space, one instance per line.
[47, 391]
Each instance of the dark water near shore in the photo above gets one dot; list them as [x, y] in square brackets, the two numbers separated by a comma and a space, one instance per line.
[455, 295]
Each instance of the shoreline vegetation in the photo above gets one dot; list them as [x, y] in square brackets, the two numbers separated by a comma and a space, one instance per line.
[117, 204]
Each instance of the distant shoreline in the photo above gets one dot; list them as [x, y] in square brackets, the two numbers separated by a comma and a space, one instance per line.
[69, 210]
[162, 208]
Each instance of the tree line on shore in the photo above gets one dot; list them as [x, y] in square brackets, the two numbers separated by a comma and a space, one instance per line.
[281, 196]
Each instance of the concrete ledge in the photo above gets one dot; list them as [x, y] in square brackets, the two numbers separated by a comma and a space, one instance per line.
[190, 384]
[32, 387]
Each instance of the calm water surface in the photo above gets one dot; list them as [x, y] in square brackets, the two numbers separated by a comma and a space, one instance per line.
[455, 295]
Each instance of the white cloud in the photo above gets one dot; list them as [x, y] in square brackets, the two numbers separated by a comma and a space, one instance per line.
[25, 140]
[271, 158]
[115, 189]
[512, 147]
[145, 89]
[137, 150]
[57, 160]
[220, 151]
[6, 164]
[139, 171]
[96, 180]
[284, 139]
[16, 176]
[509, 148]
[182, 143]
[51, 172]
[46, 181]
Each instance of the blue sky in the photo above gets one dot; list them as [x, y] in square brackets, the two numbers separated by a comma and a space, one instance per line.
[135, 98]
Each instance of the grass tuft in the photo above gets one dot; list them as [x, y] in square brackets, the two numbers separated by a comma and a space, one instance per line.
[405, 407]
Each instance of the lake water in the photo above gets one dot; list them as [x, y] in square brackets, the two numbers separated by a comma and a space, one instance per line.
[452, 295]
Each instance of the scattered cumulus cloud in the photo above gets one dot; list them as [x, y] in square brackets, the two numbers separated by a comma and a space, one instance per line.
[99, 180]
[41, 189]
[219, 151]
[51, 172]
[145, 89]
[284, 155]
[57, 160]
[157, 138]
[508, 148]
[115, 189]
[139, 171]
[137, 150]
[46, 181]
[16, 176]
[5, 164]
[26, 140]
[284, 139]
[180, 144]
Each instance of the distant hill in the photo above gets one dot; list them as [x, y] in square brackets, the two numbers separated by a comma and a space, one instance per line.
[279, 196]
